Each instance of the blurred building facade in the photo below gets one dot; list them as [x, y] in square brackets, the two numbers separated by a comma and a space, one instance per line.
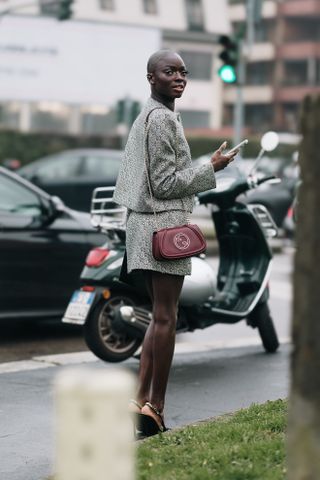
[283, 64]
[191, 27]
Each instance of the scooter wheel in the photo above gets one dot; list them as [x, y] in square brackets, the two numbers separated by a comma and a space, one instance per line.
[102, 339]
[261, 318]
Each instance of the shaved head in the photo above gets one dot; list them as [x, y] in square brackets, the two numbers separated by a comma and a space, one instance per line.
[167, 76]
[157, 56]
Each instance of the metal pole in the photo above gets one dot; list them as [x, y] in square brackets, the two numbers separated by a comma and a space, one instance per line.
[244, 50]
[250, 23]
[239, 107]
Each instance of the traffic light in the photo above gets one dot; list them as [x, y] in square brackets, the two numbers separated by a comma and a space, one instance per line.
[229, 56]
[65, 10]
[120, 111]
[127, 110]
[134, 111]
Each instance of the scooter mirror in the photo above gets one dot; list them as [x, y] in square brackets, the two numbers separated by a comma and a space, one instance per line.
[269, 141]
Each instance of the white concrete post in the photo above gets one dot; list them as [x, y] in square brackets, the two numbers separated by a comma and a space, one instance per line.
[75, 120]
[94, 430]
[25, 117]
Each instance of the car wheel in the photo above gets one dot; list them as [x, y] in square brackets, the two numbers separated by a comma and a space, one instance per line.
[102, 339]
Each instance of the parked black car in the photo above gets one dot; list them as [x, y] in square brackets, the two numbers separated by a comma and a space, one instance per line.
[277, 198]
[43, 246]
[73, 174]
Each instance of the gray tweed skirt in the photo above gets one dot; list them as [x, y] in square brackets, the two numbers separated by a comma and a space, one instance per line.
[139, 230]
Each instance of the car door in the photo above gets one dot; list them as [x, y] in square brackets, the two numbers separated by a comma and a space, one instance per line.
[97, 170]
[57, 176]
[40, 260]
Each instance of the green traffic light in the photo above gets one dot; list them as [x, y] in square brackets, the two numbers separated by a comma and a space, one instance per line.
[65, 9]
[227, 73]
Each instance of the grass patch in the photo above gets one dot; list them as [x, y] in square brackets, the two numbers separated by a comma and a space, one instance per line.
[247, 445]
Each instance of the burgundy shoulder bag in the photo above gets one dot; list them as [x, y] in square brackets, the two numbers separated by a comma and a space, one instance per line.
[175, 242]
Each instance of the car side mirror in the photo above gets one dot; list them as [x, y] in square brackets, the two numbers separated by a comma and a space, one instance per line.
[58, 204]
[53, 209]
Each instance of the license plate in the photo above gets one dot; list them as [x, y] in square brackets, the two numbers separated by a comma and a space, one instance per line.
[78, 308]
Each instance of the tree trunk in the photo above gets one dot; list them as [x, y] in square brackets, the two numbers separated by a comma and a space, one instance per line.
[304, 407]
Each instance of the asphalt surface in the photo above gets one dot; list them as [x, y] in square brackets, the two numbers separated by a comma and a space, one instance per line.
[26, 339]
[202, 385]
[215, 371]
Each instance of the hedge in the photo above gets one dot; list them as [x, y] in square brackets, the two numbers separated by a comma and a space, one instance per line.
[202, 145]
[30, 146]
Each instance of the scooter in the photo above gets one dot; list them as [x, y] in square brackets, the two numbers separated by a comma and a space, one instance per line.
[115, 315]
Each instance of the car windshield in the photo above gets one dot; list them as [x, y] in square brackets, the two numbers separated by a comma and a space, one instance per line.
[245, 166]
[15, 198]
[238, 168]
[101, 166]
[272, 165]
[58, 168]
[225, 181]
[78, 164]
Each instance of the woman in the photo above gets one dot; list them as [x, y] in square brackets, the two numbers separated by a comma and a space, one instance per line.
[157, 141]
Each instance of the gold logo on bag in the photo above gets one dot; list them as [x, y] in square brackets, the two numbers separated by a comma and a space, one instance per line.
[181, 241]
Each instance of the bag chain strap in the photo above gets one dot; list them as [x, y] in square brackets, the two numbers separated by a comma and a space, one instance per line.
[147, 126]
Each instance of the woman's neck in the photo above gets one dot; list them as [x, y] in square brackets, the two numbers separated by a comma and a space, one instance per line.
[168, 102]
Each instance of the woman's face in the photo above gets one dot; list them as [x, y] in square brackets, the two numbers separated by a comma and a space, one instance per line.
[169, 77]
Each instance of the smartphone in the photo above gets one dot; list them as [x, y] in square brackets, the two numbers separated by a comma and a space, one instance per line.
[236, 147]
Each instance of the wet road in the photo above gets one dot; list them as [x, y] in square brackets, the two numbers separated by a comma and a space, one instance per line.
[202, 385]
[215, 371]
[24, 340]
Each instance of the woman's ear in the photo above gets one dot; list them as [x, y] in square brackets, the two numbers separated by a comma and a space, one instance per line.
[150, 78]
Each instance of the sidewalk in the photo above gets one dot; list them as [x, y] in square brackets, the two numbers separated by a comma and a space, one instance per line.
[202, 385]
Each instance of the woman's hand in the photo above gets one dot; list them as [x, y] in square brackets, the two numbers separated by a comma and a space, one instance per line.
[219, 160]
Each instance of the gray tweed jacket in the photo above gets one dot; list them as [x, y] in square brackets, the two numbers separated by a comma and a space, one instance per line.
[174, 180]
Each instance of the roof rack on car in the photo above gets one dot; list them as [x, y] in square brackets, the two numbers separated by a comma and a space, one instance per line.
[105, 213]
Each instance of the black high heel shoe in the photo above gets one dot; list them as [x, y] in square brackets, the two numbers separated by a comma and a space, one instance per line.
[148, 425]
[137, 430]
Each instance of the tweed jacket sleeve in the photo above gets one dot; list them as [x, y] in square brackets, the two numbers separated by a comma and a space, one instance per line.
[172, 175]
[174, 179]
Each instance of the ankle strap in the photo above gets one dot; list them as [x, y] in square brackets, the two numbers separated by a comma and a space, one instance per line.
[156, 411]
[134, 402]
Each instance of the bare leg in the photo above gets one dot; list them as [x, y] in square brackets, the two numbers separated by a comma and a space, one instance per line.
[166, 292]
[146, 360]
